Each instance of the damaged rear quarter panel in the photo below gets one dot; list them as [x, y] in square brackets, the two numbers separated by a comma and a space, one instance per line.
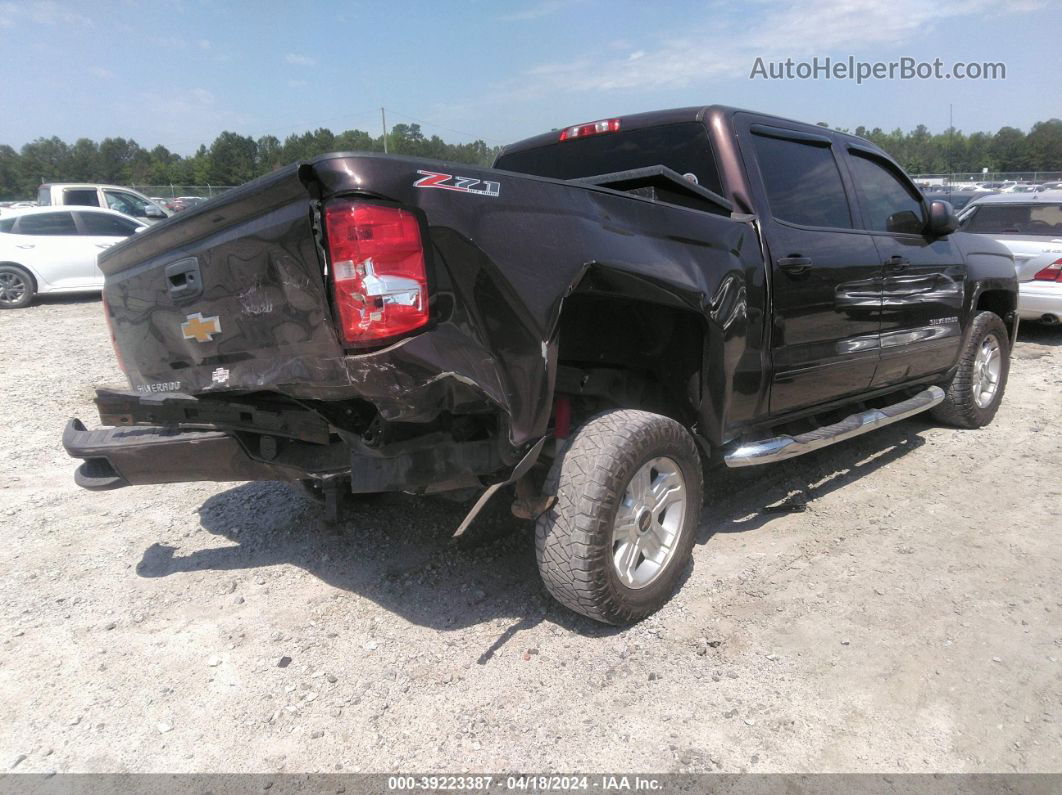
[503, 266]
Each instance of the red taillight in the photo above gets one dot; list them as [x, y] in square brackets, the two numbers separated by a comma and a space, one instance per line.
[378, 273]
[110, 331]
[1052, 273]
[593, 128]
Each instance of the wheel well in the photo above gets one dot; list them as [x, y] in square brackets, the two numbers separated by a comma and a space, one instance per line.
[25, 270]
[617, 352]
[1000, 302]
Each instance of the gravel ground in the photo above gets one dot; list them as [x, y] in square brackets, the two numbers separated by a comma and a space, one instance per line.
[909, 620]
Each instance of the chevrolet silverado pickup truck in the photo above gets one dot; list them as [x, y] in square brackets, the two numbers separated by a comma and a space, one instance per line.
[586, 327]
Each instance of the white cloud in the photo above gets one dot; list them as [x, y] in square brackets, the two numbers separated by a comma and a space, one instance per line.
[300, 60]
[714, 49]
[42, 12]
[100, 72]
[204, 44]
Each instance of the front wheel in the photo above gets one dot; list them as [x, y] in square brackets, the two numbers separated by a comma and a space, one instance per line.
[974, 394]
[628, 499]
[16, 287]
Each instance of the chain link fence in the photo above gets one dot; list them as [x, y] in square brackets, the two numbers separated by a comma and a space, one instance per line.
[1031, 177]
[173, 191]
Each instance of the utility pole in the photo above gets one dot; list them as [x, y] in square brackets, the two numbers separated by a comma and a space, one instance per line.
[951, 139]
[383, 121]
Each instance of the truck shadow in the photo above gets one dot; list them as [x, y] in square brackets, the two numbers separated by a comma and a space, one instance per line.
[396, 550]
[1038, 334]
[739, 501]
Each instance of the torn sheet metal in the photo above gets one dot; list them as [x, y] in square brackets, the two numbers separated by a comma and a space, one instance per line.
[501, 266]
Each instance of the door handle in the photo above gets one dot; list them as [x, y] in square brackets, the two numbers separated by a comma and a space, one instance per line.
[183, 279]
[897, 263]
[26, 245]
[795, 264]
[104, 245]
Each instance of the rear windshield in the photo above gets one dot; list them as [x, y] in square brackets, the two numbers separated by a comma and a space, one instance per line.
[1043, 220]
[682, 147]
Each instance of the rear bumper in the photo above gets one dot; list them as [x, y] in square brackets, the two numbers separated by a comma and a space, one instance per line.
[1036, 300]
[140, 455]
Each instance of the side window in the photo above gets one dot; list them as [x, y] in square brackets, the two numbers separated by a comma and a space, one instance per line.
[6, 224]
[888, 205]
[803, 182]
[106, 224]
[44, 196]
[126, 203]
[86, 197]
[47, 224]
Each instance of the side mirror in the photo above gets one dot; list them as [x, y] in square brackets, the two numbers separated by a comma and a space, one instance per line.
[942, 219]
[905, 221]
[153, 211]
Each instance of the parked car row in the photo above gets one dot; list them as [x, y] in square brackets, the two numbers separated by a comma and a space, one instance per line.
[1006, 186]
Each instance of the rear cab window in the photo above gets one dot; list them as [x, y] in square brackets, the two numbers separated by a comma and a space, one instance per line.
[683, 147]
[82, 197]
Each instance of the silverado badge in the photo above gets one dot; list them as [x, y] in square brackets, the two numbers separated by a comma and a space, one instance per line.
[199, 328]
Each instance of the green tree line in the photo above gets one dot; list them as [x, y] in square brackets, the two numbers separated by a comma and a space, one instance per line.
[230, 160]
[233, 158]
[1009, 149]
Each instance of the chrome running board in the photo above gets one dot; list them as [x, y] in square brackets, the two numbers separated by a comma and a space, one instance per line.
[779, 448]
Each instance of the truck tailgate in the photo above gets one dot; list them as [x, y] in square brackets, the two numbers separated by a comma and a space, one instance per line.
[228, 295]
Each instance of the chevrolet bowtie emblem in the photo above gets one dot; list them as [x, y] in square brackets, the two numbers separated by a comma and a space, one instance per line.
[199, 328]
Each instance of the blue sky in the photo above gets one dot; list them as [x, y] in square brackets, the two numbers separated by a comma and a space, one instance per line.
[179, 72]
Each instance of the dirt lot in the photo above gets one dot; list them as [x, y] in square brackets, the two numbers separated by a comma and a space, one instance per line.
[910, 620]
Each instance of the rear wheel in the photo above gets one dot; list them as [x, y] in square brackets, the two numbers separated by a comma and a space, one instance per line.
[619, 536]
[974, 394]
[16, 287]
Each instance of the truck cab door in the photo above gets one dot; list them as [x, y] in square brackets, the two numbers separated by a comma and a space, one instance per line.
[825, 273]
[924, 277]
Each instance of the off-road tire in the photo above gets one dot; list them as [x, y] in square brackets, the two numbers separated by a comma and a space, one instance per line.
[959, 407]
[573, 539]
[26, 279]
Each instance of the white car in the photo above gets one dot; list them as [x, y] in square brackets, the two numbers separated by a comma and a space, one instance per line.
[54, 250]
[1030, 225]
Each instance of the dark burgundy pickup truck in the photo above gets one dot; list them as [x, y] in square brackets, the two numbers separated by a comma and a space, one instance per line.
[584, 327]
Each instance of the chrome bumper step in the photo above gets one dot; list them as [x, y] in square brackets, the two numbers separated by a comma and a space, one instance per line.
[779, 448]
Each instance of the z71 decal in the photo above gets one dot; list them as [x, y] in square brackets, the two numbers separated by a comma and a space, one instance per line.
[481, 187]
